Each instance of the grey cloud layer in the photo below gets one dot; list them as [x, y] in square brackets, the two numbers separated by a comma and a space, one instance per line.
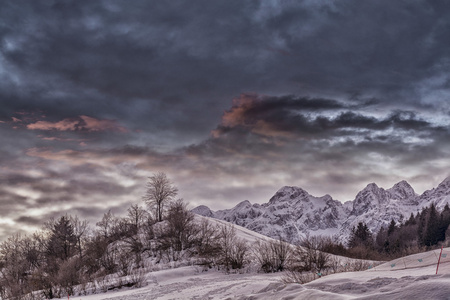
[104, 55]
[257, 148]
[291, 116]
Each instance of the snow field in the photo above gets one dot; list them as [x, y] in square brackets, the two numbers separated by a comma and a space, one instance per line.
[188, 283]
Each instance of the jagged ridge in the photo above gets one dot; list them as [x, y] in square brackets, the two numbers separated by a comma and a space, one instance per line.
[292, 212]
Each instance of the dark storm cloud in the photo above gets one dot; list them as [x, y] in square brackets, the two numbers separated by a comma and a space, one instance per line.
[103, 54]
[343, 147]
[398, 45]
[288, 117]
[115, 53]
[405, 120]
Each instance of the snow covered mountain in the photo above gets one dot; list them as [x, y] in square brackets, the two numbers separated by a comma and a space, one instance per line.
[440, 195]
[376, 207]
[292, 212]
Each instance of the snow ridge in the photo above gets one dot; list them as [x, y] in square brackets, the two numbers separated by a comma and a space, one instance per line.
[292, 212]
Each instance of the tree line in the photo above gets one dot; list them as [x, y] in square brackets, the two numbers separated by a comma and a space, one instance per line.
[424, 231]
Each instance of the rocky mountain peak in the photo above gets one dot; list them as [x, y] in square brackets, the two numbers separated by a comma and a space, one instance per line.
[402, 190]
[243, 204]
[288, 193]
[370, 197]
[370, 191]
[440, 195]
[444, 185]
[203, 211]
[371, 187]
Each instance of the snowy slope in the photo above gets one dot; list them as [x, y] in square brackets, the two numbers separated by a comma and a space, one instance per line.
[193, 282]
[404, 278]
[440, 195]
[410, 277]
[293, 212]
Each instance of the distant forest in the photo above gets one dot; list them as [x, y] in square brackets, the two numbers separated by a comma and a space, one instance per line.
[424, 231]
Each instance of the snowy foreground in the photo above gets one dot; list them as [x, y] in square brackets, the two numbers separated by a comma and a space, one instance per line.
[383, 283]
[411, 277]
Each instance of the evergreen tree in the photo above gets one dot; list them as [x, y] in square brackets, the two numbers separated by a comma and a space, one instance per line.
[361, 236]
[446, 216]
[381, 240]
[440, 234]
[430, 236]
[62, 241]
[391, 228]
[421, 222]
[446, 208]
[411, 220]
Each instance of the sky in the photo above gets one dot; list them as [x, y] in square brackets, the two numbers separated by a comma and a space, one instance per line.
[231, 99]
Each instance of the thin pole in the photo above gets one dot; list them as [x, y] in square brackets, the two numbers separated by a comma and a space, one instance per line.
[437, 267]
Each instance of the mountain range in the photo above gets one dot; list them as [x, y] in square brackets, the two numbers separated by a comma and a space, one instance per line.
[292, 212]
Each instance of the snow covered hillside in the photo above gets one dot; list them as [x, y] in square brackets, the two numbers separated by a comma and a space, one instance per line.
[185, 279]
[410, 277]
[293, 212]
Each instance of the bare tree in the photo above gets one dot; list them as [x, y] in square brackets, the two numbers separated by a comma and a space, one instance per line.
[207, 246]
[107, 224]
[272, 255]
[12, 267]
[149, 234]
[178, 234]
[134, 246]
[68, 276]
[309, 260]
[239, 252]
[314, 257]
[136, 216]
[227, 238]
[232, 250]
[160, 191]
[181, 226]
[80, 229]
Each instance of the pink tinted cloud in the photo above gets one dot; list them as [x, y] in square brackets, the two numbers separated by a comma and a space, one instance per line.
[61, 139]
[242, 114]
[49, 138]
[81, 123]
[16, 120]
[237, 114]
[102, 125]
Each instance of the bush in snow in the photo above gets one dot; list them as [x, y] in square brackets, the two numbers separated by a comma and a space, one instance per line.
[272, 256]
[233, 251]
